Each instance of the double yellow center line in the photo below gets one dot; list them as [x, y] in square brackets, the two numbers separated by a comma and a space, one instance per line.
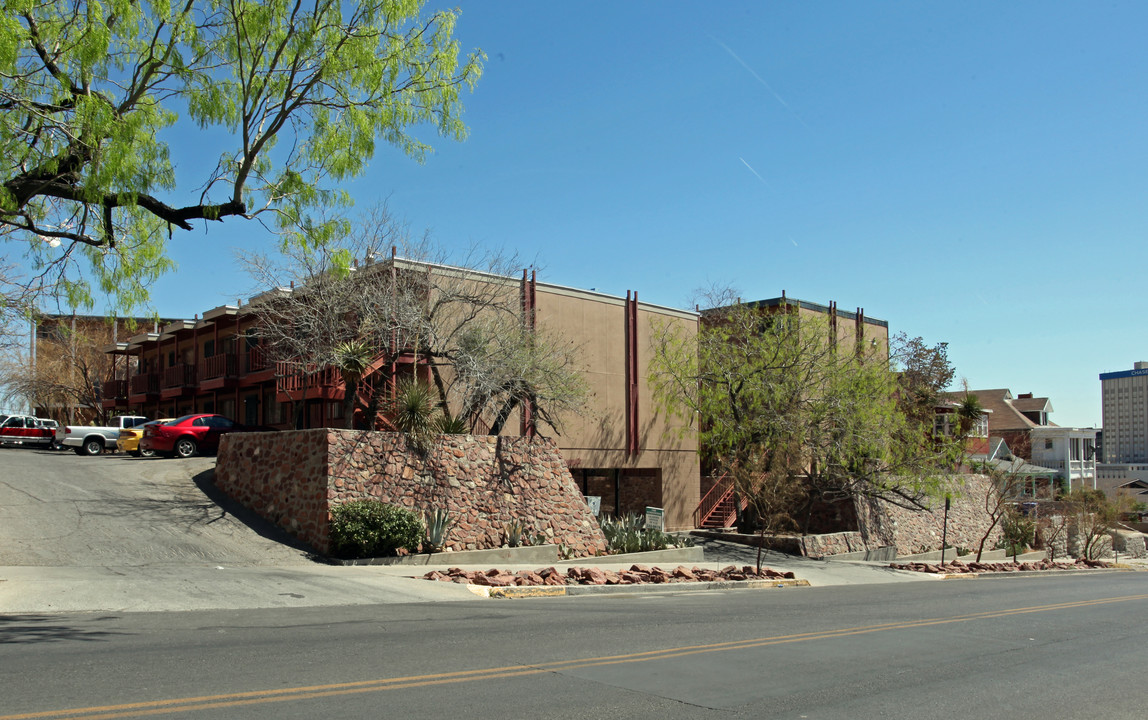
[309, 692]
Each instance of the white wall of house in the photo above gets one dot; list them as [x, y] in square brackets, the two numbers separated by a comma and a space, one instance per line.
[1069, 451]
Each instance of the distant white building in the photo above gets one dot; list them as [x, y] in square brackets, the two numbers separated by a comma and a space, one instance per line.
[1069, 451]
[1124, 410]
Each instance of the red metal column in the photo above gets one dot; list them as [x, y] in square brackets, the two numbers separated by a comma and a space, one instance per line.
[833, 324]
[394, 324]
[859, 333]
[632, 433]
[528, 297]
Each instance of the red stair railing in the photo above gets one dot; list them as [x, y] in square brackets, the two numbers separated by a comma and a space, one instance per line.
[721, 490]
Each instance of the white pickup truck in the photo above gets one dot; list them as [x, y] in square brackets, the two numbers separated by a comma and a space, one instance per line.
[91, 440]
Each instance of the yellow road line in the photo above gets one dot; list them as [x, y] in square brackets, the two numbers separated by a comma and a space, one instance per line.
[257, 697]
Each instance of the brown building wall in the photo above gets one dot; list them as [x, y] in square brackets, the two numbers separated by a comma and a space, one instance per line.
[664, 470]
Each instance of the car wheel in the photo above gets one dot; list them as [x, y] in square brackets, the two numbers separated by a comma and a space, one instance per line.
[78, 451]
[145, 453]
[92, 446]
[185, 447]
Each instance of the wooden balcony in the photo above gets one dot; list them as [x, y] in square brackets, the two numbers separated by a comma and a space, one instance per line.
[144, 387]
[293, 382]
[219, 372]
[255, 368]
[114, 393]
[177, 381]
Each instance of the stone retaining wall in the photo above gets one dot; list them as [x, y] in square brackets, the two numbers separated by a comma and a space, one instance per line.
[914, 531]
[833, 544]
[293, 478]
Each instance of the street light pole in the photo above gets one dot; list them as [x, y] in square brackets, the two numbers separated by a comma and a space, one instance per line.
[945, 532]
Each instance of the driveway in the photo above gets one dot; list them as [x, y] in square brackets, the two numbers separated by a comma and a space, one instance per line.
[116, 533]
[58, 509]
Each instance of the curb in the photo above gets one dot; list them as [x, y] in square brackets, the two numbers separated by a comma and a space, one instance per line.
[531, 591]
[1022, 573]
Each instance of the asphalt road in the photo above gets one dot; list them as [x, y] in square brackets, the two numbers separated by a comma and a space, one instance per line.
[1036, 647]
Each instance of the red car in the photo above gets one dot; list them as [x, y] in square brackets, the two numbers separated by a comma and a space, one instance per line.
[186, 436]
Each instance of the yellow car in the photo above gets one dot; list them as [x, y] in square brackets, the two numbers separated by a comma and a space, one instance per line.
[129, 439]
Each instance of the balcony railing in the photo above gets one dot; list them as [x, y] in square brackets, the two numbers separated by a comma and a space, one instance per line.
[114, 389]
[219, 366]
[255, 360]
[145, 384]
[293, 378]
[179, 375]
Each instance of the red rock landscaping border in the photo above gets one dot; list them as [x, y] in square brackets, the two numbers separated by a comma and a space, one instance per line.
[637, 574]
[956, 567]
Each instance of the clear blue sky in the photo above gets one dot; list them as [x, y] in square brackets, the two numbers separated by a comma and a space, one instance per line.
[973, 173]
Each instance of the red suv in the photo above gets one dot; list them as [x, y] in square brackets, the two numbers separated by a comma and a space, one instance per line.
[186, 436]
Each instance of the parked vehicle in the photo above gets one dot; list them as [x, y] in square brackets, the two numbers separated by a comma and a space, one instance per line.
[91, 440]
[129, 439]
[27, 431]
[190, 434]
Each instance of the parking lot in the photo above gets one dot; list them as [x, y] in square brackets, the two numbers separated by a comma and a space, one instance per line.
[58, 509]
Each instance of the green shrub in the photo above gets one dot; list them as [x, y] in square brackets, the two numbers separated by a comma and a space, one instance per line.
[369, 528]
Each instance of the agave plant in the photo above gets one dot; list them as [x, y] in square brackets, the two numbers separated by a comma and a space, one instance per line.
[629, 534]
[447, 425]
[439, 523]
[514, 529]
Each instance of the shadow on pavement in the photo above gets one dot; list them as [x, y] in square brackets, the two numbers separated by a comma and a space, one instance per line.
[205, 481]
[48, 628]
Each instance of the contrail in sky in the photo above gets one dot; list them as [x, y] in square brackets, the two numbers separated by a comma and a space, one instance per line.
[759, 177]
[759, 78]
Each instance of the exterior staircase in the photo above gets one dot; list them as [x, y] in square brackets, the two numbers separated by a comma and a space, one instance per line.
[718, 509]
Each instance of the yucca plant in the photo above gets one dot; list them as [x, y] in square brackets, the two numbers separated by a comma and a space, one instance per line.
[413, 414]
[352, 358]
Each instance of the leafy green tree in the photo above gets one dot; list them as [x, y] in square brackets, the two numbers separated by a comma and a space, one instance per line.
[923, 373]
[778, 405]
[1093, 516]
[289, 100]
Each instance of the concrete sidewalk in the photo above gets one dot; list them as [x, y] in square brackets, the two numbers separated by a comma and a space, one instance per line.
[177, 587]
[209, 587]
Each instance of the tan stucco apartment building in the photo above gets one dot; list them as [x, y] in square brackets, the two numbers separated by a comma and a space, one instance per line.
[622, 450]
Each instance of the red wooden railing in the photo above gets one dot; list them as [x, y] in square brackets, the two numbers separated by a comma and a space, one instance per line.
[291, 378]
[218, 366]
[145, 384]
[179, 375]
[113, 389]
[255, 359]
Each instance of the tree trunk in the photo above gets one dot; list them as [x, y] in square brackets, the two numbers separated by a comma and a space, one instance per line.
[503, 415]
